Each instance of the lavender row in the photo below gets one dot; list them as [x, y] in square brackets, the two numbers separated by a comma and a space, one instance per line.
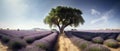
[32, 48]
[21, 33]
[16, 33]
[47, 42]
[90, 35]
[32, 38]
[85, 45]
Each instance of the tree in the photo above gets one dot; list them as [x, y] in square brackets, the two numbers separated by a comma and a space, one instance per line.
[62, 17]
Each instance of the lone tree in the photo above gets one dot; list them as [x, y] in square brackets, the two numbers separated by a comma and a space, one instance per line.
[62, 17]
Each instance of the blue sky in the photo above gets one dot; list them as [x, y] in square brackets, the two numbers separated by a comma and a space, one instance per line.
[28, 14]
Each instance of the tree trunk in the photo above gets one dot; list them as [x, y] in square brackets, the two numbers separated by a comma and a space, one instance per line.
[61, 30]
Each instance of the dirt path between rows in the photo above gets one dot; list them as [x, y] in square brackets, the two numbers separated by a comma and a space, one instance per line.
[65, 44]
[2, 47]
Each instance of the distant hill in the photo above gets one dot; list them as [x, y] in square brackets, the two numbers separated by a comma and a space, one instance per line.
[38, 29]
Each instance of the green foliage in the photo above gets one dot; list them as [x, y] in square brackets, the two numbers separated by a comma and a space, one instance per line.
[111, 43]
[62, 16]
[30, 40]
[84, 44]
[42, 46]
[98, 40]
[5, 39]
[16, 44]
[54, 30]
[96, 47]
[32, 48]
[18, 29]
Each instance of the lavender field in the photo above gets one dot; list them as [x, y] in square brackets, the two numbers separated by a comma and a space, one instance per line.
[30, 40]
[89, 40]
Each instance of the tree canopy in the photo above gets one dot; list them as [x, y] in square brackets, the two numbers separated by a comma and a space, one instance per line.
[62, 16]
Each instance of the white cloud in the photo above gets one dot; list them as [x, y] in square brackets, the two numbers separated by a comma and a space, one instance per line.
[104, 18]
[16, 16]
[15, 8]
[95, 12]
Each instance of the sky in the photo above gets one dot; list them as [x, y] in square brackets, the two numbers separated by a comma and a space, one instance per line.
[28, 14]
